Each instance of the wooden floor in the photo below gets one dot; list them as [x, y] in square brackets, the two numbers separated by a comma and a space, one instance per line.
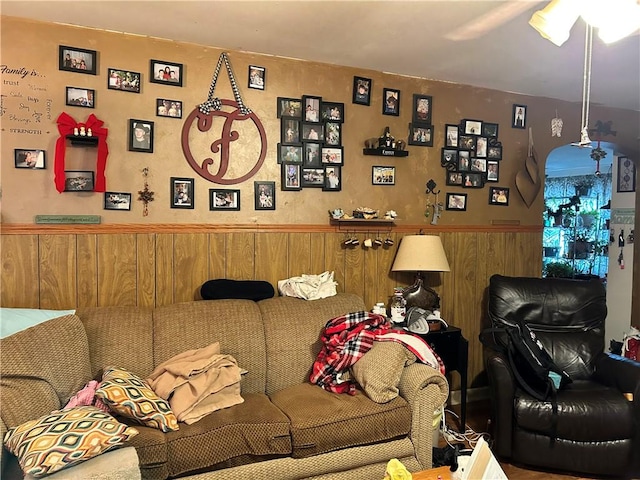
[478, 419]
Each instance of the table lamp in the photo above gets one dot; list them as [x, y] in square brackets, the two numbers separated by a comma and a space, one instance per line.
[421, 253]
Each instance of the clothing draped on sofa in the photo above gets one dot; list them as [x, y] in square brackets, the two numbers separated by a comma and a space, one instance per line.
[198, 382]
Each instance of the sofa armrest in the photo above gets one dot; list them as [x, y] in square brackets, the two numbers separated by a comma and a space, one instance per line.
[426, 390]
[502, 391]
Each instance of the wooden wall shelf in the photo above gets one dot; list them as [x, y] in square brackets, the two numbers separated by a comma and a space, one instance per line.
[83, 141]
[385, 152]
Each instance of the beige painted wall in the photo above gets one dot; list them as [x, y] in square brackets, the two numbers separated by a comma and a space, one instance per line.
[30, 192]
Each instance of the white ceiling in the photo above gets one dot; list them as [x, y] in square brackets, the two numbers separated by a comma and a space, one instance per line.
[403, 37]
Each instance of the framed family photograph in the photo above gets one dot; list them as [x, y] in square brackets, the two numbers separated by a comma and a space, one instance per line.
[456, 201]
[332, 112]
[289, 131]
[78, 181]
[499, 196]
[312, 177]
[289, 107]
[332, 179]
[519, 116]
[333, 133]
[454, 179]
[494, 152]
[224, 199]
[29, 158]
[451, 136]
[332, 156]
[140, 136]
[123, 80]
[473, 180]
[80, 97]
[168, 108]
[78, 60]
[290, 176]
[626, 175]
[383, 175]
[490, 130]
[471, 127]
[493, 170]
[167, 73]
[390, 102]
[361, 91]
[257, 77]
[421, 134]
[422, 105]
[311, 154]
[311, 108]
[117, 201]
[182, 192]
[312, 131]
[290, 153]
[264, 195]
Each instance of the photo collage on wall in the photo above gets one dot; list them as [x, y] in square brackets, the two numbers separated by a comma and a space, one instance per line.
[310, 150]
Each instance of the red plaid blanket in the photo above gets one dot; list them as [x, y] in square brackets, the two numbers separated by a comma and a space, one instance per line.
[345, 339]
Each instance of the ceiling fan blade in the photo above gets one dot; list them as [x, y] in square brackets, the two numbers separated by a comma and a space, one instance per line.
[490, 20]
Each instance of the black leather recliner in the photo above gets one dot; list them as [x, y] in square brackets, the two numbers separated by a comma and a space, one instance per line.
[598, 429]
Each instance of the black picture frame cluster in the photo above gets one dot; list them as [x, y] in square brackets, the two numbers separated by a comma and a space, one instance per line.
[310, 151]
[421, 128]
[471, 153]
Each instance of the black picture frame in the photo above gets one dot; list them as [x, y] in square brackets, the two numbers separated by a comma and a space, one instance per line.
[449, 158]
[166, 107]
[467, 142]
[499, 196]
[472, 180]
[257, 77]
[332, 178]
[311, 108]
[290, 131]
[31, 158]
[79, 181]
[519, 116]
[80, 97]
[333, 133]
[123, 80]
[471, 127]
[362, 91]
[451, 133]
[391, 102]
[490, 130]
[482, 144]
[117, 201]
[312, 177]
[166, 73]
[289, 108]
[383, 175]
[456, 201]
[290, 154]
[311, 152]
[421, 134]
[182, 192]
[332, 155]
[454, 179]
[422, 108]
[626, 177]
[312, 132]
[478, 165]
[494, 152]
[264, 195]
[493, 171]
[141, 135]
[332, 112]
[464, 160]
[77, 60]
[224, 199]
[290, 177]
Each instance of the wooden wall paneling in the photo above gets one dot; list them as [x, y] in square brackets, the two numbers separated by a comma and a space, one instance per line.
[299, 254]
[20, 277]
[370, 279]
[334, 258]
[240, 253]
[354, 277]
[87, 270]
[164, 269]
[271, 257]
[317, 259]
[448, 287]
[146, 265]
[117, 269]
[217, 260]
[57, 255]
[386, 278]
[191, 265]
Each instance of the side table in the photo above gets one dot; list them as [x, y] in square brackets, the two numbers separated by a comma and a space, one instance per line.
[453, 349]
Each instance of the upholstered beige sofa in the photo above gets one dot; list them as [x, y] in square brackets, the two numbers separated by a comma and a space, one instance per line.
[286, 428]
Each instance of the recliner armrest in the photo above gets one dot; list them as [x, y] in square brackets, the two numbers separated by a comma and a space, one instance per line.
[618, 372]
[502, 388]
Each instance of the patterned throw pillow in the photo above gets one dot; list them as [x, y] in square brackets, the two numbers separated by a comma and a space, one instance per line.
[130, 396]
[65, 438]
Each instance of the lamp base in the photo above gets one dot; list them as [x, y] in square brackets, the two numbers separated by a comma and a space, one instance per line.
[419, 295]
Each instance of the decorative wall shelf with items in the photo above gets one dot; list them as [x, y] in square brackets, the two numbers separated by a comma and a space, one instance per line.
[385, 146]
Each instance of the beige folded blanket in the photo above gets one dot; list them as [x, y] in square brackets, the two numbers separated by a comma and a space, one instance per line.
[198, 382]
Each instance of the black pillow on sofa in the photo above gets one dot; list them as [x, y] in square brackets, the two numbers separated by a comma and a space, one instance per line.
[246, 289]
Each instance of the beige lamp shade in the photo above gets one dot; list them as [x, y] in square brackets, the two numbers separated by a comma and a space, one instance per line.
[421, 253]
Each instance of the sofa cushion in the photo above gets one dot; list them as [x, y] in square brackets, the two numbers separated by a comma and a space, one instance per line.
[151, 447]
[254, 427]
[42, 367]
[64, 438]
[379, 370]
[130, 396]
[322, 421]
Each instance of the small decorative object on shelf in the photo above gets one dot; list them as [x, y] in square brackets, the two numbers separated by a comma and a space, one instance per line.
[365, 212]
[387, 146]
[390, 215]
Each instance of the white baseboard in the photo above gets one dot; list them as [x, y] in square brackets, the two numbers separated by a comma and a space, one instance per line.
[473, 395]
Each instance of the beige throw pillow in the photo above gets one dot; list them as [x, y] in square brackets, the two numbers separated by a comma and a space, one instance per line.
[379, 370]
